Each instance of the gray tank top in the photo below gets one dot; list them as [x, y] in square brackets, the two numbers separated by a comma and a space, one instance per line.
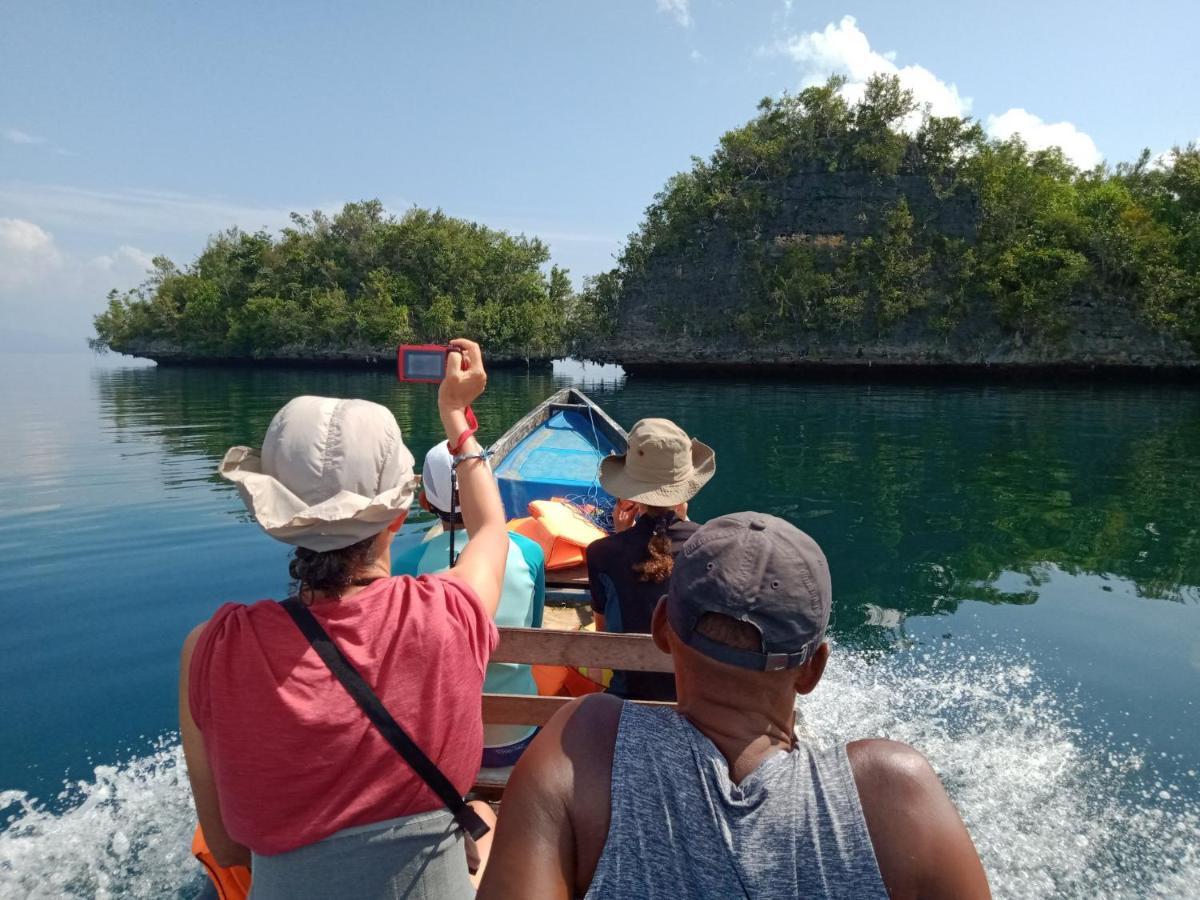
[681, 828]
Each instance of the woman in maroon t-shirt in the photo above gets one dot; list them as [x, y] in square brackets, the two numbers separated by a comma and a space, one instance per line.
[285, 768]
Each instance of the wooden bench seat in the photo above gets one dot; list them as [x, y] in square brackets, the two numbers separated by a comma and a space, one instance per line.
[540, 646]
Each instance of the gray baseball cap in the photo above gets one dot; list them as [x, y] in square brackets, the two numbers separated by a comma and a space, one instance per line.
[758, 569]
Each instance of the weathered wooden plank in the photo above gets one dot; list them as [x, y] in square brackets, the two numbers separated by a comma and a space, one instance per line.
[574, 577]
[634, 652]
[519, 709]
[493, 777]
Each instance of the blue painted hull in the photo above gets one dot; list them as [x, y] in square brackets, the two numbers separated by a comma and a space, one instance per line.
[559, 457]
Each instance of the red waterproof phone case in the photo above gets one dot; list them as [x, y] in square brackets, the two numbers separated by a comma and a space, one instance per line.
[421, 362]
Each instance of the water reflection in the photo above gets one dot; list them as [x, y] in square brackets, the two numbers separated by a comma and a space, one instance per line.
[922, 496]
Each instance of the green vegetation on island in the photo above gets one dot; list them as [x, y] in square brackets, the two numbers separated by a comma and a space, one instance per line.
[872, 222]
[360, 281]
[821, 230]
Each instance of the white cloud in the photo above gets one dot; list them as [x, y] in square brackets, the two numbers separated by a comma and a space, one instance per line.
[843, 49]
[677, 8]
[27, 253]
[16, 136]
[47, 289]
[1166, 158]
[1077, 146]
[123, 259]
[696, 56]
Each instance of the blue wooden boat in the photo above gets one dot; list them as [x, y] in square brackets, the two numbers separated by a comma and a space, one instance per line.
[555, 451]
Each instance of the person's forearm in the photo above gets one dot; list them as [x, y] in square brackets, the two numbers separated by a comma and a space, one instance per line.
[478, 496]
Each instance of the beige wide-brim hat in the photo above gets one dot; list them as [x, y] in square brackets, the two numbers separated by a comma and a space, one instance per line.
[330, 473]
[663, 467]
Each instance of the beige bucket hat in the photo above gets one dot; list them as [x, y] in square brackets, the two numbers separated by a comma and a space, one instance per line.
[663, 466]
[330, 473]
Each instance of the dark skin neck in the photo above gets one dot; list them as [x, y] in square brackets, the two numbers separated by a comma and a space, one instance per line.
[747, 729]
[749, 716]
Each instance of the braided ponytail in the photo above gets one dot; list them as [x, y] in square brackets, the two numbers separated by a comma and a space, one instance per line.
[659, 560]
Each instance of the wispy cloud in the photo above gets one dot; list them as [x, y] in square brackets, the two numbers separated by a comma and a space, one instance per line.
[140, 212]
[680, 10]
[17, 136]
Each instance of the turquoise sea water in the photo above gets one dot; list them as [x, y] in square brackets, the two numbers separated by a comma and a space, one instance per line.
[1016, 575]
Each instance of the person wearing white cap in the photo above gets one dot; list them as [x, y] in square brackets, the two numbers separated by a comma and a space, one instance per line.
[628, 571]
[522, 596]
[294, 716]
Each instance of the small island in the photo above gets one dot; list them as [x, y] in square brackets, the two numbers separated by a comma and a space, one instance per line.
[822, 235]
[345, 290]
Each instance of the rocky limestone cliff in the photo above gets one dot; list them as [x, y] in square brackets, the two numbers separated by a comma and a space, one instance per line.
[166, 354]
[678, 310]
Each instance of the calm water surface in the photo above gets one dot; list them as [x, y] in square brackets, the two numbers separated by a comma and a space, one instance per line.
[1016, 577]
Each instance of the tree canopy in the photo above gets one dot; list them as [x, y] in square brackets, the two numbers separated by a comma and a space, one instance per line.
[1033, 234]
[360, 280]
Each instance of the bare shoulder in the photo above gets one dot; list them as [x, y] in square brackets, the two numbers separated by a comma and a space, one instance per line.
[922, 847]
[189, 642]
[896, 787]
[890, 765]
[596, 714]
[578, 739]
[189, 647]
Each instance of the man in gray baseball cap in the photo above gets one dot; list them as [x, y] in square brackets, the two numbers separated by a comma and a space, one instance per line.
[719, 796]
[760, 571]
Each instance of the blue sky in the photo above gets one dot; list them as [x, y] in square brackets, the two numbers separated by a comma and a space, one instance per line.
[131, 129]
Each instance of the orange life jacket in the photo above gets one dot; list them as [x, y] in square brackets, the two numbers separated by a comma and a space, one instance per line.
[560, 529]
[231, 882]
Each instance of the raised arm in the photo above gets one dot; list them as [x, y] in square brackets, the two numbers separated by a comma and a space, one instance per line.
[481, 564]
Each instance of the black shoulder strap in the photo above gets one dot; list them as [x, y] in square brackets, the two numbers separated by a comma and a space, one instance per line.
[358, 688]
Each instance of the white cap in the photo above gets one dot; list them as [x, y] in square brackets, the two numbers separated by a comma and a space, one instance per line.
[435, 478]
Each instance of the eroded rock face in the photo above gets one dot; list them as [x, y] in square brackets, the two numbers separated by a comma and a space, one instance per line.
[346, 358]
[852, 204]
[1103, 335]
[679, 309]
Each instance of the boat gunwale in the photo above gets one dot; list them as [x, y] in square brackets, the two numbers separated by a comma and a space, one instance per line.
[540, 414]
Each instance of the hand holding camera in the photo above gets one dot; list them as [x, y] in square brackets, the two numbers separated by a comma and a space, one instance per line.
[464, 378]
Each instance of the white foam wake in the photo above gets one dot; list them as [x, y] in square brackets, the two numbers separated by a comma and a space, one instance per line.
[1054, 812]
[127, 833]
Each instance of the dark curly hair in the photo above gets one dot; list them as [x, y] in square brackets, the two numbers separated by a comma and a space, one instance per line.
[328, 572]
[659, 561]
